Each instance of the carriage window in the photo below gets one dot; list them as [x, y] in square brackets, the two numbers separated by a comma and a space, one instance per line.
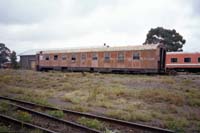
[199, 59]
[55, 57]
[83, 56]
[47, 57]
[187, 59]
[107, 56]
[136, 56]
[121, 56]
[174, 60]
[64, 57]
[73, 57]
[94, 56]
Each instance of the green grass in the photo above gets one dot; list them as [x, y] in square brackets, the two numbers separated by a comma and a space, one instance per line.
[56, 113]
[177, 124]
[92, 123]
[194, 102]
[130, 116]
[36, 99]
[23, 116]
[4, 128]
[5, 107]
[6, 79]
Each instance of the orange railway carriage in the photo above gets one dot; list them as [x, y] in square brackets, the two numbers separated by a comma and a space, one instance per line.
[130, 59]
[181, 61]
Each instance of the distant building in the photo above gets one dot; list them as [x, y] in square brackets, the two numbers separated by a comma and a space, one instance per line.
[28, 60]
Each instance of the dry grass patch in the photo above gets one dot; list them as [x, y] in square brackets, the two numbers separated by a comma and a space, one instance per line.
[130, 116]
[162, 95]
[80, 108]
[127, 97]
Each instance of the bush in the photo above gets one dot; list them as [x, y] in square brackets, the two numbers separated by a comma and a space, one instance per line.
[56, 113]
[24, 116]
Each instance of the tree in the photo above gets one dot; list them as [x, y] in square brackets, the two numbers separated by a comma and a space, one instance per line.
[170, 38]
[4, 54]
[13, 59]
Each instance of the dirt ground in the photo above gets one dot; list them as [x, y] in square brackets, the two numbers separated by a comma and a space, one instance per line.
[164, 101]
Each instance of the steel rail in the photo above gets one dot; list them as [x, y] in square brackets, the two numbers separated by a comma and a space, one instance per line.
[25, 124]
[69, 123]
[103, 118]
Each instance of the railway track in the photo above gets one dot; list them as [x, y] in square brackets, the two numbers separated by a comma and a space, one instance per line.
[131, 125]
[53, 123]
[10, 120]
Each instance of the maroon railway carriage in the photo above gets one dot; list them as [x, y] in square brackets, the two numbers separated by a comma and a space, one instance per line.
[130, 59]
[182, 61]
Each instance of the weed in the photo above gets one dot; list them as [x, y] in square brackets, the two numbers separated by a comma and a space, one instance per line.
[177, 124]
[193, 97]
[110, 131]
[24, 116]
[93, 94]
[78, 108]
[56, 113]
[92, 123]
[4, 107]
[167, 80]
[6, 79]
[141, 116]
[36, 99]
[103, 103]
[162, 95]
[77, 96]
[194, 102]
[16, 90]
[187, 82]
[4, 128]
[130, 116]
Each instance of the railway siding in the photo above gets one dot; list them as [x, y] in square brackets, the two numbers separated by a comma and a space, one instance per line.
[125, 126]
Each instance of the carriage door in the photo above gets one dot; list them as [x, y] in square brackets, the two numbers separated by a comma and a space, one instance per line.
[94, 59]
[162, 59]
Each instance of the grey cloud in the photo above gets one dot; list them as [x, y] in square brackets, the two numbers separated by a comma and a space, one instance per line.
[26, 24]
[196, 4]
[26, 11]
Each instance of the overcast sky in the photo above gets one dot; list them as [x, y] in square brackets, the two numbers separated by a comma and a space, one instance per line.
[36, 24]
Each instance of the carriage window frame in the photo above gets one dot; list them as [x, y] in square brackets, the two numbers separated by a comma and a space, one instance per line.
[106, 56]
[55, 57]
[83, 56]
[121, 56]
[187, 60]
[73, 57]
[136, 56]
[64, 57]
[199, 60]
[94, 56]
[174, 60]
